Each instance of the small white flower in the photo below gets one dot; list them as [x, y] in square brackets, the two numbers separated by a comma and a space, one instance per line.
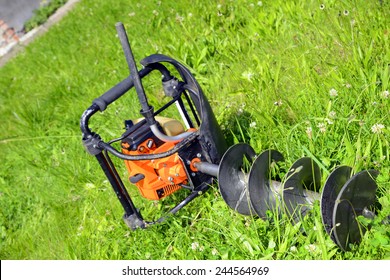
[329, 121]
[252, 124]
[333, 92]
[278, 103]
[179, 18]
[293, 249]
[189, 14]
[89, 186]
[155, 13]
[377, 128]
[385, 94]
[259, 3]
[271, 244]
[309, 132]
[214, 252]
[322, 127]
[131, 14]
[332, 114]
[311, 248]
[219, 6]
[194, 246]
[79, 230]
[247, 75]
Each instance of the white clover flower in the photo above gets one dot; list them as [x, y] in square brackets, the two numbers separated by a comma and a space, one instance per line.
[329, 121]
[214, 252]
[131, 14]
[293, 249]
[309, 132]
[322, 127]
[247, 75]
[385, 94]
[155, 13]
[252, 124]
[278, 103]
[333, 92]
[332, 114]
[259, 3]
[194, 246]
[311, 248]
[219, 6]
[189, 14]
[79, 230]
[377, 128]
[179, 18]
[89, 186]
[271, 244]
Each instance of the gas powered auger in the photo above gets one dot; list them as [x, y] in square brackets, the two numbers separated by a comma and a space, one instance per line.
[162, 156]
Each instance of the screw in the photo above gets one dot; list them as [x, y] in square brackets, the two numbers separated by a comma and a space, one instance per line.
[170, 178]
[198, 155]
[192, 174]
[177, 174]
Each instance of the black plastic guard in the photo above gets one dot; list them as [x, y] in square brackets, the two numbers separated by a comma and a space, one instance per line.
[211, 138]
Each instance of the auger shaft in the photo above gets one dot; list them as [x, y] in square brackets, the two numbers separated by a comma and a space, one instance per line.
[276, 186]
[207, 168]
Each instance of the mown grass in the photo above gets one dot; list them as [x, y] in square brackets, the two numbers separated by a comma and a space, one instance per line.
[309, 78]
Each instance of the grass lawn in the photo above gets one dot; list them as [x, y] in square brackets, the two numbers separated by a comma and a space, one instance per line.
[308, 78]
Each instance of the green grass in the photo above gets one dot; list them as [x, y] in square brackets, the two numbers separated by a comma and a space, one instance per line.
[42, 14]
[55, 202]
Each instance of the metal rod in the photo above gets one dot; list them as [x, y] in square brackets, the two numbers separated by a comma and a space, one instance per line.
[276, 186]
[310, 196]
[146, 109]
[117, 185]
[207, 168]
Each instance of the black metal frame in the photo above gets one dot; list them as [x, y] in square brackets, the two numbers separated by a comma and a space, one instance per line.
[207, 140]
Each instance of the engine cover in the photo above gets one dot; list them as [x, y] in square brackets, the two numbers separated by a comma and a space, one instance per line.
[156, 178]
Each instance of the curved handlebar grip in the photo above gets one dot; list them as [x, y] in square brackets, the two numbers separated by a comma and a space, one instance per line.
[118, 90]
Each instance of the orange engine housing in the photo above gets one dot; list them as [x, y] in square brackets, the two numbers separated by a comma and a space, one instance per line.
[156, 178]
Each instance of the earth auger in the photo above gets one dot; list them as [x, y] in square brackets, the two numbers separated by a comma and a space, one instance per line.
[163, 156]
